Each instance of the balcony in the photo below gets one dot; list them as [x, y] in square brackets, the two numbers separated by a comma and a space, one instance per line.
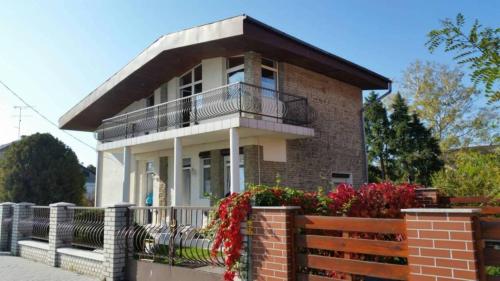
[241, 99]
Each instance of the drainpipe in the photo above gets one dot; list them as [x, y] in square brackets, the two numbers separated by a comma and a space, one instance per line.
[389, 91]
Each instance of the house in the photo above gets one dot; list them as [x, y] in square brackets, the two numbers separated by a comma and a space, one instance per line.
[210, 109]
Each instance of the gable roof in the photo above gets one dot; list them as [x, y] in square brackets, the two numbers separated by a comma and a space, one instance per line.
[175, 53]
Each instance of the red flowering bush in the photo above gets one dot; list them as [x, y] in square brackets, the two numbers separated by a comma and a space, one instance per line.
[378, 200]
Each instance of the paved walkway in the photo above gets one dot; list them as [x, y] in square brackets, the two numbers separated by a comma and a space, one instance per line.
[19, 269]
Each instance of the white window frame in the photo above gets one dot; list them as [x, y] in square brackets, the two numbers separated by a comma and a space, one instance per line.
[339, 180]
[193, 83]
[202, 176]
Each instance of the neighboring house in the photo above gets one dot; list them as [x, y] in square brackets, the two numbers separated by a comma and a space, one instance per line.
[210, 109]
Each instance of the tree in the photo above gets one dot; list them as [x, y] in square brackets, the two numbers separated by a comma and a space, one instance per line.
[479, 48]
[40, 169]
[445, 105]
[377, 132]
[470, 174]
[415, 152]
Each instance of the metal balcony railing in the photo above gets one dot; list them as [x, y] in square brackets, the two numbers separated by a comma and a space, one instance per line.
[246, 99]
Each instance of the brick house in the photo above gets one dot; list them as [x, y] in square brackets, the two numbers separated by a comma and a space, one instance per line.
[210, 109]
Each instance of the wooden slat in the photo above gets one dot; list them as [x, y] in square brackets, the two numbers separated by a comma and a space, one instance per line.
[491, 256]
[469, 200]
[311, 277]
[395, 226]
[493, 278]
[490, 228]
[373, 269]
[353, 245]
[490, 211]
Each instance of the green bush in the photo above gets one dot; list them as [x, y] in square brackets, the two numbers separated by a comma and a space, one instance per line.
[470, 174]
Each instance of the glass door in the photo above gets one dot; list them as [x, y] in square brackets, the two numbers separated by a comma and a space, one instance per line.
[186, 175]
[189, 84]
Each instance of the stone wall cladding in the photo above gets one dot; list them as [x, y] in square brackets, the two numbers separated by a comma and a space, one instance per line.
[80, 265]
[33, 253]
[6, 212]
[337, 145]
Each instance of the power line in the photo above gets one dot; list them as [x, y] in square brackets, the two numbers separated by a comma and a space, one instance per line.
[43, 116]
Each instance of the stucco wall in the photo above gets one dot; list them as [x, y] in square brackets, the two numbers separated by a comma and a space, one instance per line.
[111, 178]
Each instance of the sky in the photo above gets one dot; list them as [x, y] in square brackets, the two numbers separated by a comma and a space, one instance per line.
[54, 53]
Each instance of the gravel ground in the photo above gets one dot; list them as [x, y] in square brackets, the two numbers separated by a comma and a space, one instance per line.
[19, 269]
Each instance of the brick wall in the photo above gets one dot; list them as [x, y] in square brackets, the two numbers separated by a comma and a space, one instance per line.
[441, 245]
[31, 252]
[80, 264]
[271, 243]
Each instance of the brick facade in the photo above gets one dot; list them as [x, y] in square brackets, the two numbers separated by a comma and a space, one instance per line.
[21, 229]
[441, 244]
[60, 229]
[337, 145]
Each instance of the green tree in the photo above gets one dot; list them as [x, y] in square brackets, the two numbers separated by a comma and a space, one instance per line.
[445, 105]
[377, 132]
[40, 169]
[478, 48]
[470, 174]
[415, 151]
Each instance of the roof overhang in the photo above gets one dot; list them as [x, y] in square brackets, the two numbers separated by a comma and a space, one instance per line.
[177, 52]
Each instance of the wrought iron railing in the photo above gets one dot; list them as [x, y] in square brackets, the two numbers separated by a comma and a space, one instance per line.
[40, 222]
[171, 235]
[246, 99]
[87, 228]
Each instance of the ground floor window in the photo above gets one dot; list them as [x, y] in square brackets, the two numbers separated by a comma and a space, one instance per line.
[338, 178]
[227, 174]
[186, 174]
[206, 169]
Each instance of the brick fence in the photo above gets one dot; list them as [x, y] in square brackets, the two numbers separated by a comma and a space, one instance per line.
[441, 244]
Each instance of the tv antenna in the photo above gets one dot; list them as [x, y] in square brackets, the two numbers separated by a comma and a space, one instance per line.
[20, 117]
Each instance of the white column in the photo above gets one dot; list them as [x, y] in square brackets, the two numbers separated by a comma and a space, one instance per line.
[98, 180]
[127, 155]
[177, 192]
[234, 154]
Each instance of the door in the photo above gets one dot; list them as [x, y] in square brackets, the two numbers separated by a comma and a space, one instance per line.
[189, 84]
[227, 174]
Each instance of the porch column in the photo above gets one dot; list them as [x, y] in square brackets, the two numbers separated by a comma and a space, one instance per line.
[177, 194]
[234, 154]
[126, 173]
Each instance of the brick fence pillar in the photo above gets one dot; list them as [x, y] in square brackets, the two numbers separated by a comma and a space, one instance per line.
[60, 229]
[272, 252]
[22, 225]
[116, 218]
[441, 244]
[5, 225]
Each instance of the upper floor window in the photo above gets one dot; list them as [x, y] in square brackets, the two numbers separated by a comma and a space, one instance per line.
[150, 101]
[235, 69]
[269, 76]
[190, 82]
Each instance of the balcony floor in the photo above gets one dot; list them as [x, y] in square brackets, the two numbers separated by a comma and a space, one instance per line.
[211, 131]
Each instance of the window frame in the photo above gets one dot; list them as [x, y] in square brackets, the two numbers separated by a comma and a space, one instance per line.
[203, 166]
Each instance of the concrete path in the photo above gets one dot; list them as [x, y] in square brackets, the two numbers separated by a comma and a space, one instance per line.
[19, 269]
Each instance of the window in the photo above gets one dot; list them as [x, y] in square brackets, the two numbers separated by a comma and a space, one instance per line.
[269, 77]
[206, 185]
[338, 178]
[150, 101]
[235, 70]
[190, 83]
[227, 174]
[186, 174]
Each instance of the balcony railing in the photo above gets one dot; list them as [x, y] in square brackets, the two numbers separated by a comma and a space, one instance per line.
[239, 98]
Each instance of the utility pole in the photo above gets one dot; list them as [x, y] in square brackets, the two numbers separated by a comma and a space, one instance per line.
[20, 116]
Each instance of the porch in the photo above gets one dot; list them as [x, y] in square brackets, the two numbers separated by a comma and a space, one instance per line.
[180, 167]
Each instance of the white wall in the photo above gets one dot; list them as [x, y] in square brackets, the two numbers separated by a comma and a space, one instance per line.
[110, 191]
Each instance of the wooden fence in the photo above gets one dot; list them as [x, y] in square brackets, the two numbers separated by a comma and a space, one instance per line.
[353, 246]
[488, 242]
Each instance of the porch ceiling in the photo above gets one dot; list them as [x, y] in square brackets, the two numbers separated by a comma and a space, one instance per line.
[174, 53]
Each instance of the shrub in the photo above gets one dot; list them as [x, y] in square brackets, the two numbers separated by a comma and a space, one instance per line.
[380, 200]
[470, 174]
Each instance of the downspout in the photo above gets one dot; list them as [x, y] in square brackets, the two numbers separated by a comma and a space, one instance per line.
[389, 91]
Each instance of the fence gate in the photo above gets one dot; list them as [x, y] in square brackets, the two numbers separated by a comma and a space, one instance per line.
[350, 248]
[488, 243]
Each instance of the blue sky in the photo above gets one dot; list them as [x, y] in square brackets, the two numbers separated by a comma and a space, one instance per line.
[53, 53]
